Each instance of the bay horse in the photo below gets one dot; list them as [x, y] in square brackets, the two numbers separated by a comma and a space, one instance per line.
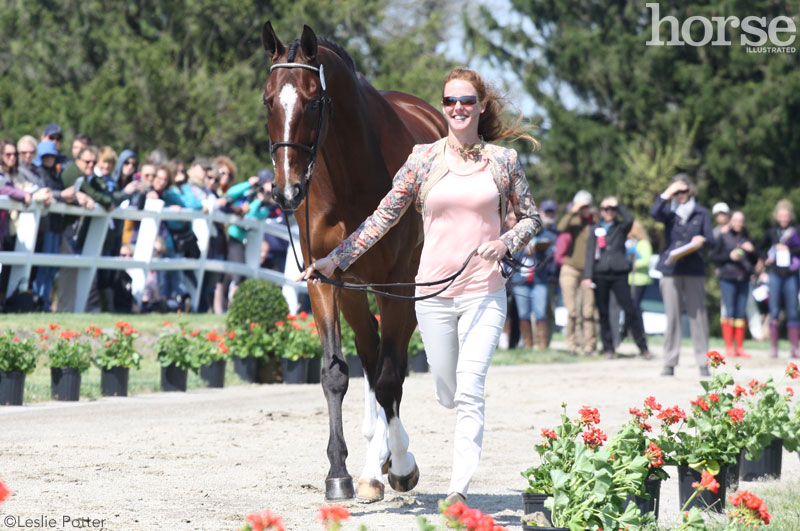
[326, 121]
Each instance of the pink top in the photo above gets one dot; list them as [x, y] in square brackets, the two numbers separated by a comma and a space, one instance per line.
[461, 212]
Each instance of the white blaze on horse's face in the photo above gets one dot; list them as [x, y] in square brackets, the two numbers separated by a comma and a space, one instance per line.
[288, 100]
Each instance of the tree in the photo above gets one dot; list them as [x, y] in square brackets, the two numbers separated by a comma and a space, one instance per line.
[184, 76]
[608, 95]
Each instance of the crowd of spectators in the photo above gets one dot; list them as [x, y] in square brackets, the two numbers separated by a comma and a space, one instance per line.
[599, 262]
[98, 177]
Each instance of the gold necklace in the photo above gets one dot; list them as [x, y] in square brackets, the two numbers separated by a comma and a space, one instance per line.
[473, 152]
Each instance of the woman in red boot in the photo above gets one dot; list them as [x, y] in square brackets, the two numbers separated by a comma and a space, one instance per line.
[734, 254]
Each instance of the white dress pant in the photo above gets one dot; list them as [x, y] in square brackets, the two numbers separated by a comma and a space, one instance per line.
[460, 336]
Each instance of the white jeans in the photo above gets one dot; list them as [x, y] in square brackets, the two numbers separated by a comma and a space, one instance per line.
[460, 335]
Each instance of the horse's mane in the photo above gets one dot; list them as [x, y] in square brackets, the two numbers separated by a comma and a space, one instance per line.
[327, 43]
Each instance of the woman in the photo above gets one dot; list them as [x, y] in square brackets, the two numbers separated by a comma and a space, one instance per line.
[735, 256]
[780, 252]
[687, 227]
[227, 172]
[9, 159]
[454, 183]
[639, 250]
[607, 266]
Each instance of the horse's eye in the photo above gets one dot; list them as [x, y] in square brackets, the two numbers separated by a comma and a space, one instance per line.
[313, 104]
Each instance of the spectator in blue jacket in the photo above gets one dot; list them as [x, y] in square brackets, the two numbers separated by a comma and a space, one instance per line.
[687, 227]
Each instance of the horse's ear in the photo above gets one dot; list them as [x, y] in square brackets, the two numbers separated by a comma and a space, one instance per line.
[308, 43]
[272, 44]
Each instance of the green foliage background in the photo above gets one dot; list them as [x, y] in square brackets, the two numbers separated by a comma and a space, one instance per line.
[186, 76]
[616, 116]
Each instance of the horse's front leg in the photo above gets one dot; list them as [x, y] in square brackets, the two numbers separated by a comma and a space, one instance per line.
[338, 484]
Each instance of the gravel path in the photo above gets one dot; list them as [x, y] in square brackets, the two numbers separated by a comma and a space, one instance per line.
[205, 459]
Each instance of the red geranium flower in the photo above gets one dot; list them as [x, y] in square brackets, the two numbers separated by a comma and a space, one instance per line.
[792, 371]
[40, 330]
[707, 482]
[672, 415]
[290, 317]
[738, 390]
[166, 323]
[650, 402]
[635, 411]
[303, 316]
[332, 514]
[265, 521]
[790, 391]
[655, 455]
[736, 414]
[749, 509]
[713, 397]
[715, 359]
[594, 438]
[253, 325]
[549, 434]
[589, 415]
[54, 326]
[699, 402]
[4, 492]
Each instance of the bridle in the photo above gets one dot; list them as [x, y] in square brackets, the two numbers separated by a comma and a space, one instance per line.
[325, 102]
[313, 150]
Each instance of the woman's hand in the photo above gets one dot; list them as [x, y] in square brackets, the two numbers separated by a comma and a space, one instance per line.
[748, 247]
[494, 250]
[324, 265]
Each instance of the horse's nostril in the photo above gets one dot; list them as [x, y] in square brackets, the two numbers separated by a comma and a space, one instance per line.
[296, 191]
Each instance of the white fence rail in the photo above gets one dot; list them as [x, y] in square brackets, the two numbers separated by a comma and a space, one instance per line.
[23, 258]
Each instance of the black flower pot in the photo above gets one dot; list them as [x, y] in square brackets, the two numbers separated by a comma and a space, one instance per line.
[768, 466]
[354, 367]
[314, 370]
[706, 499]
[246, 368]
[534, 503]
[537, 528]
[114, 381]
[418, 362]
[214, 373]
[65, 384]
[652, 487]
[295, 372]
[12, 388]
[173, 378]
[732, 478]
[269, 371]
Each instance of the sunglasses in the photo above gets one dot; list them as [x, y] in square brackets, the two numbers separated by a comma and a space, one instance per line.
[10, 154]
[55, 137]
[450, 101]
[684, 191]
[130, 161]
[608, 208]
[89, 162]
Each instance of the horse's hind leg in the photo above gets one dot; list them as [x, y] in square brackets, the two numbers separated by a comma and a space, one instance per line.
[397, 324]
[355, 307]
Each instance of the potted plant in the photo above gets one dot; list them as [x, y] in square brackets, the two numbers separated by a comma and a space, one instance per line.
[417, 359]
[259, 302]
[768, 426]
[115, 357]
[18, 357]
[640, 442]
[299, 341]
[709, 440]
[349, 352]
[213, 355]
[174, 352]
[68, 356]
[592, 494]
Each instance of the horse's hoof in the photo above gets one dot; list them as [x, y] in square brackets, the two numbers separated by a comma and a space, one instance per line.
[404, 483]
[386, 465]
[339, 488]
[370, 490]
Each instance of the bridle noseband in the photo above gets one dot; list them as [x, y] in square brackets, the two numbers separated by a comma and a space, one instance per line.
[325, 101]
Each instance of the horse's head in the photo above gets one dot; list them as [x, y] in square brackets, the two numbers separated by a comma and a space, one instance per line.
[296, 113]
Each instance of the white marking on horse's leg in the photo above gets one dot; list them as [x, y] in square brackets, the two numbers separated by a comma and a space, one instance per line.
[288, 99]
[402, 460]
[374, 430]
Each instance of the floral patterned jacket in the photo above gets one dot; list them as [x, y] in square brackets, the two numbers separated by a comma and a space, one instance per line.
[422, 170]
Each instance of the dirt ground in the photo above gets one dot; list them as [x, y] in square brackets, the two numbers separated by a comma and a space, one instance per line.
[205, 459]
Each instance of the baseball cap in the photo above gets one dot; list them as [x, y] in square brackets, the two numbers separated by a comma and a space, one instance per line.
[548, 205]
[265, 175]
[52, 129]
[720, 208]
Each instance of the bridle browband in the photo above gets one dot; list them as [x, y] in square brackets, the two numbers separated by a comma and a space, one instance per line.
[313, 149]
